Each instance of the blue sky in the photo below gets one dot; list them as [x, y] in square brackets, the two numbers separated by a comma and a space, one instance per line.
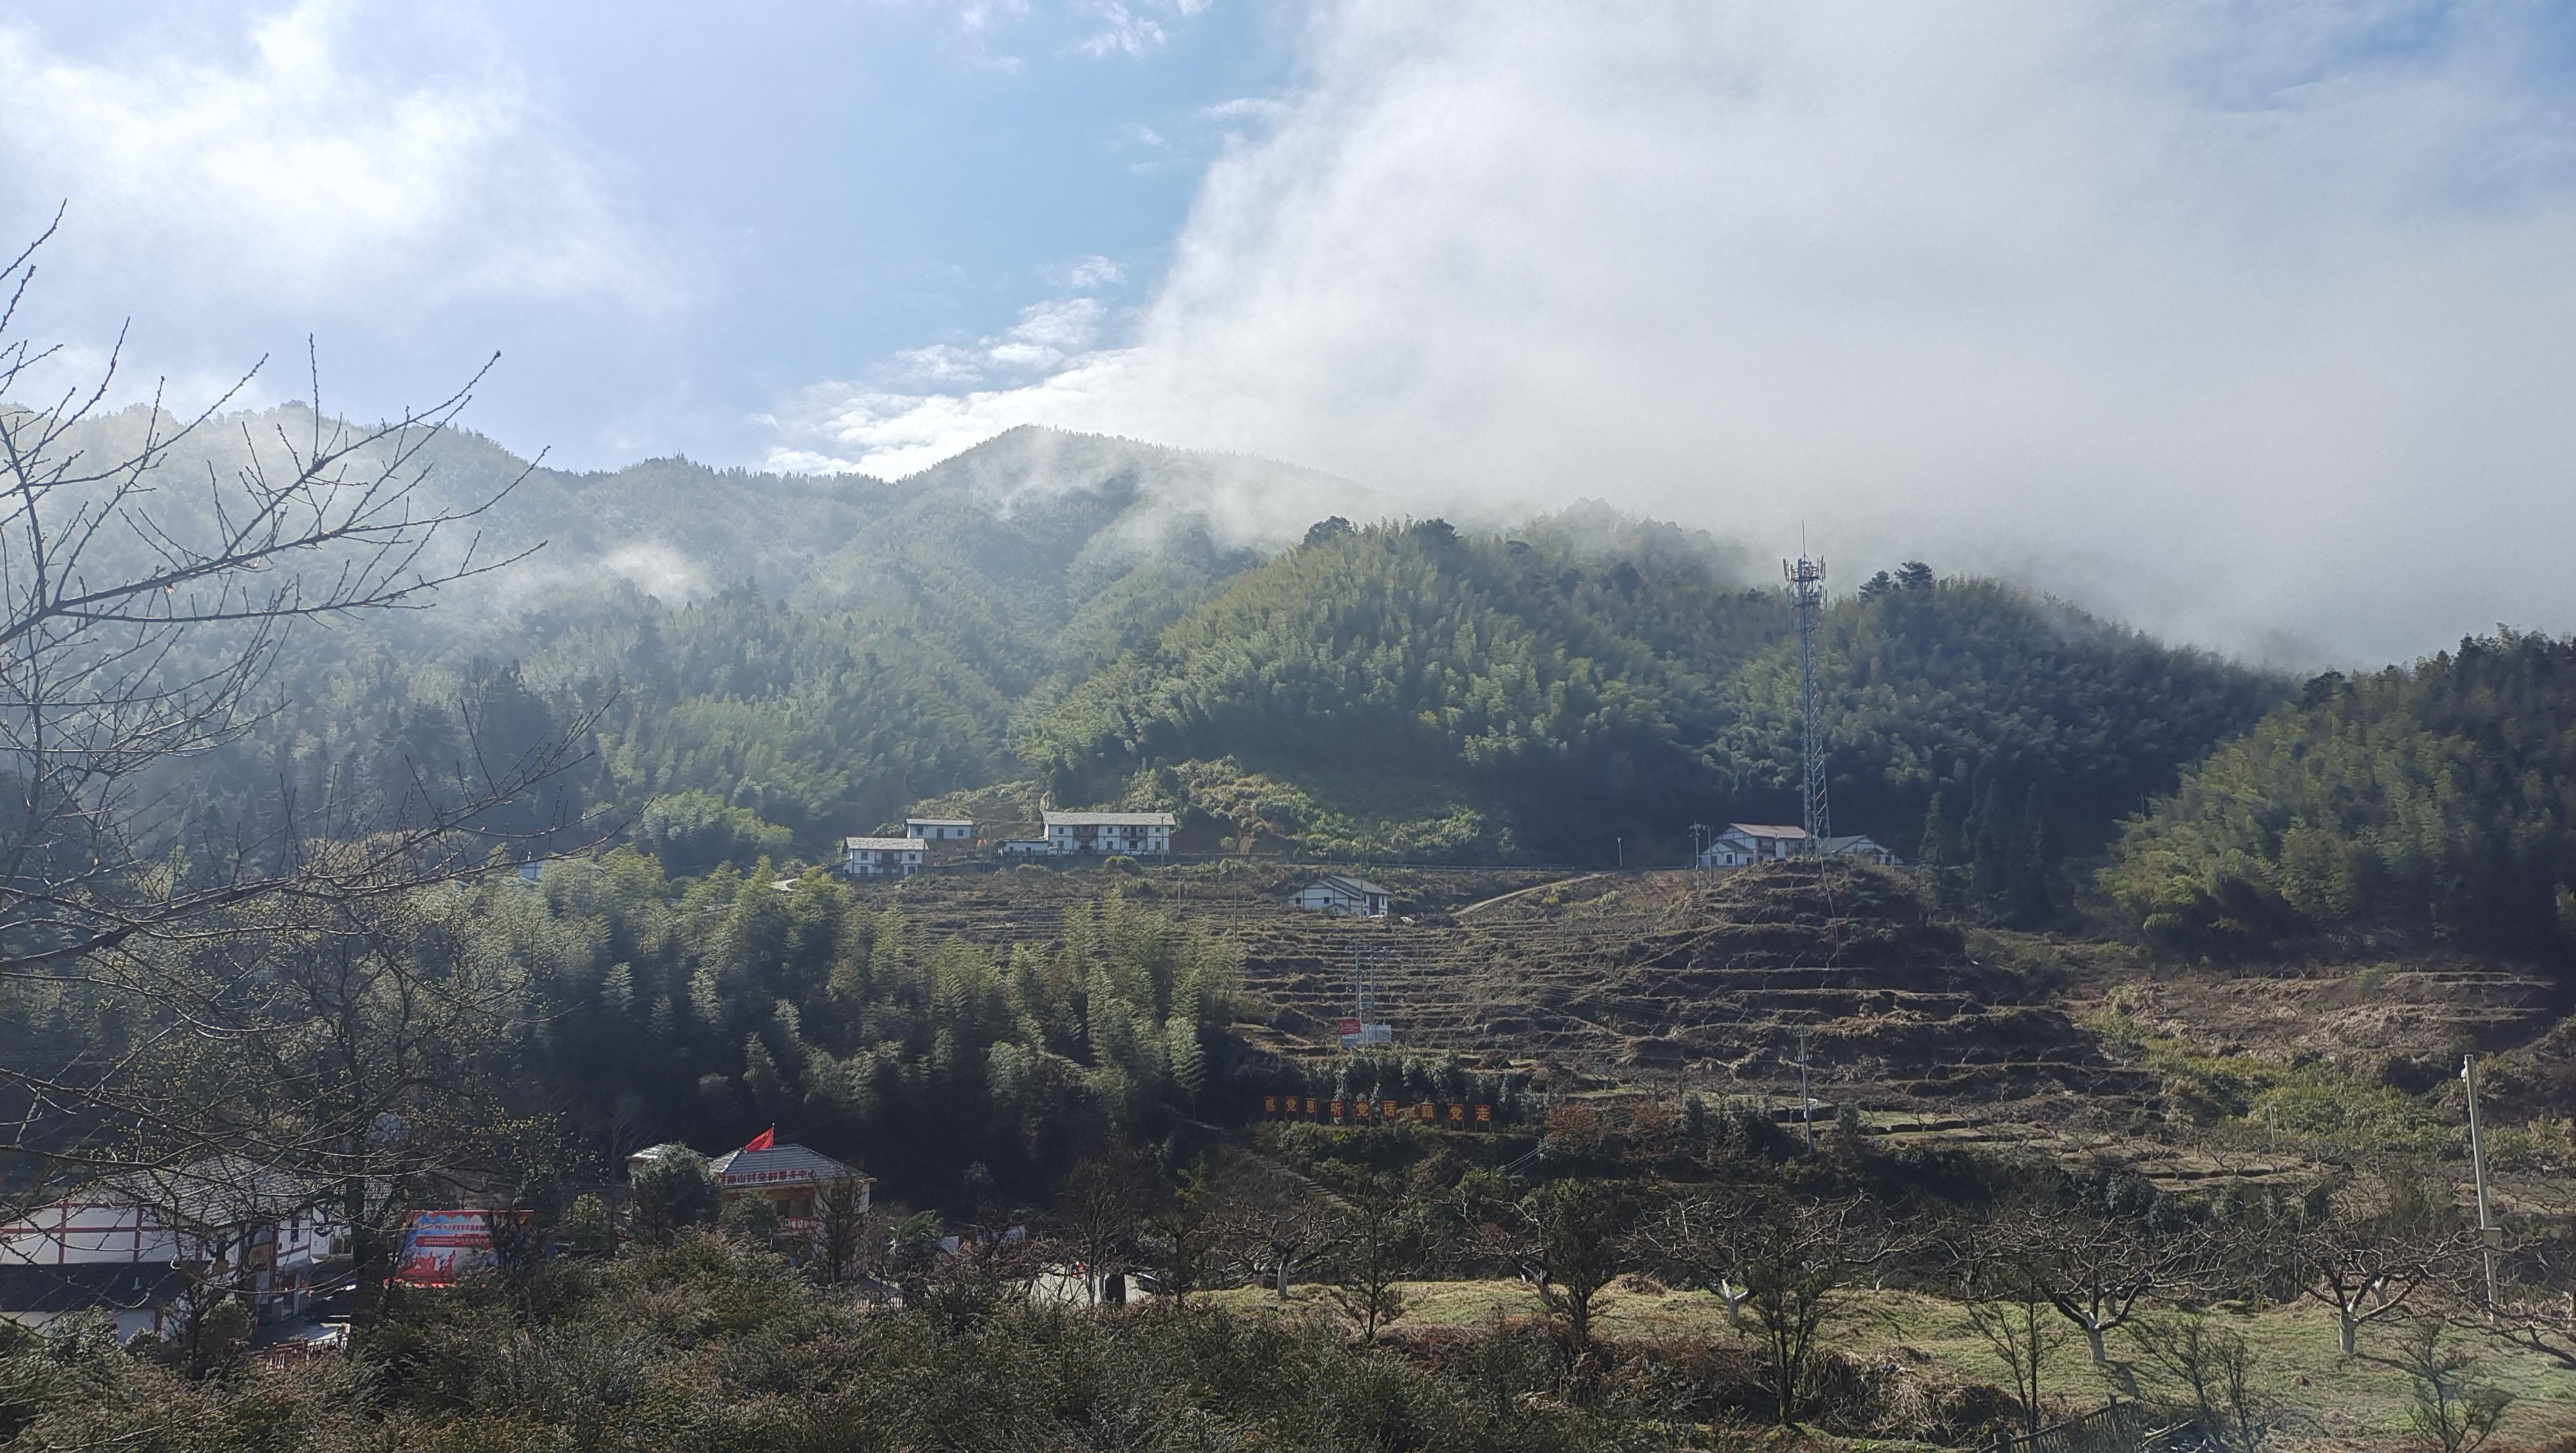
[2253, 322]
[777, 193]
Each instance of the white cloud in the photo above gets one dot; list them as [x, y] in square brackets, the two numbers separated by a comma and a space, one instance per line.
[1124, 32]
[1244, 110]
[1055, 329]
[837, 427]
[310, 170]
[939, 363]
[2251, 319]
[1092, 273]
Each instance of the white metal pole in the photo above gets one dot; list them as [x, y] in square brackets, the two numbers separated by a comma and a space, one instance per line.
[2487, 1233]
[1806, 1101]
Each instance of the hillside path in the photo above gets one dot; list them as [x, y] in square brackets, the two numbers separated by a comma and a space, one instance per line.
[1516, 892]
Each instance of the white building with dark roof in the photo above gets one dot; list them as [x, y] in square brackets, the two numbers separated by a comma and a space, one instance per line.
[1138, 834]
[1864, 847]
[940, 829]
[882, 857]
[1740, 843]
[1344, 895]
[130, 1244]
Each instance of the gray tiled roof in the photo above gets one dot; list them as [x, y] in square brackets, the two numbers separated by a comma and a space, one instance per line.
[779, 1162]
[881, 844]
[1108, 819]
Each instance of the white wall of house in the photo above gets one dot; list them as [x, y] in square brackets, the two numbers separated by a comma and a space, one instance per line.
[272, 1260]
[870, 857]
[1738, 844]
[1336, 898]
[1071, 833]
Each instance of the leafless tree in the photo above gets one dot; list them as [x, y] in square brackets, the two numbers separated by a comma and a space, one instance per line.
[1794, 1261]
[2002, 1299]
[1271, 1221]
[1097, 1217]
[2540, 1318]
[2372, 1254]
[2098, 1271]
[2455, 1411]
[144, 612]
[2212, 1371]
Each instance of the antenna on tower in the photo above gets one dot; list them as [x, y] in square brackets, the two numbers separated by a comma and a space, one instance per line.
[1807, 594]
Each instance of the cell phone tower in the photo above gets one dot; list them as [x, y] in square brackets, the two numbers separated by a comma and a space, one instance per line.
[1807, 593]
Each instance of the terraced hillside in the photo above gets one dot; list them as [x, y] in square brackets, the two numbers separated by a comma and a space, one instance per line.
[1703, 979]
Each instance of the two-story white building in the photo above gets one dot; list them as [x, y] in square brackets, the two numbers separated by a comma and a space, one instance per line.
[940, 829]
[1137, 834]
[882, 857]
[136, 1245]
[1740, 843]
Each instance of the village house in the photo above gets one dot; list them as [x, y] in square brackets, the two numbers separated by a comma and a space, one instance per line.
[1864, 847]
[940, 829]
[1342, 895]
[1740, 843]
[145, 1246]
[1026, 847]
[881, 857]
[786, 1175]
[1137, 834]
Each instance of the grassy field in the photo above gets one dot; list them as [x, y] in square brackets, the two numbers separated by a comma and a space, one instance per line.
[2345, 1402]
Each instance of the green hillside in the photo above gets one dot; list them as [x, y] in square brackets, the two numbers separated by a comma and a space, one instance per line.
[2427, 799]
[760, 663]
[1584, 680]
[813, 654]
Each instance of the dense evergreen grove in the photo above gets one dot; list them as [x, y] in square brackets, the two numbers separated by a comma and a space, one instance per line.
[2438, 798]
[1586, 679]
[699, 1009]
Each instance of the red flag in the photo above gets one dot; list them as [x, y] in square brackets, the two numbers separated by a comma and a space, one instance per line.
[763, 1140]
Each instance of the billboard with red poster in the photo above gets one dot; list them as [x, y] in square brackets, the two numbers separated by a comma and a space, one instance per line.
[439, 1248]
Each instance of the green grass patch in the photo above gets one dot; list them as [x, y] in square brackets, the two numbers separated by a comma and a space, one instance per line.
[2315, 1101]
[2357, 1401]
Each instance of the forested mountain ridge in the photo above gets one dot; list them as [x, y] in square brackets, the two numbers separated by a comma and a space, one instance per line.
[760, 663]
[1028, 508]
[805, 653]
[1583, 680]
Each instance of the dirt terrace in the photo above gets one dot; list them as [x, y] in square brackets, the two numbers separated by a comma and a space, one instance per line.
[1704, 979]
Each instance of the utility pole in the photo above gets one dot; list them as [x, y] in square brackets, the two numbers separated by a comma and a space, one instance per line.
[1806, 1101]
[1807, 593]
[2488, 1233]
[1699, 844]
